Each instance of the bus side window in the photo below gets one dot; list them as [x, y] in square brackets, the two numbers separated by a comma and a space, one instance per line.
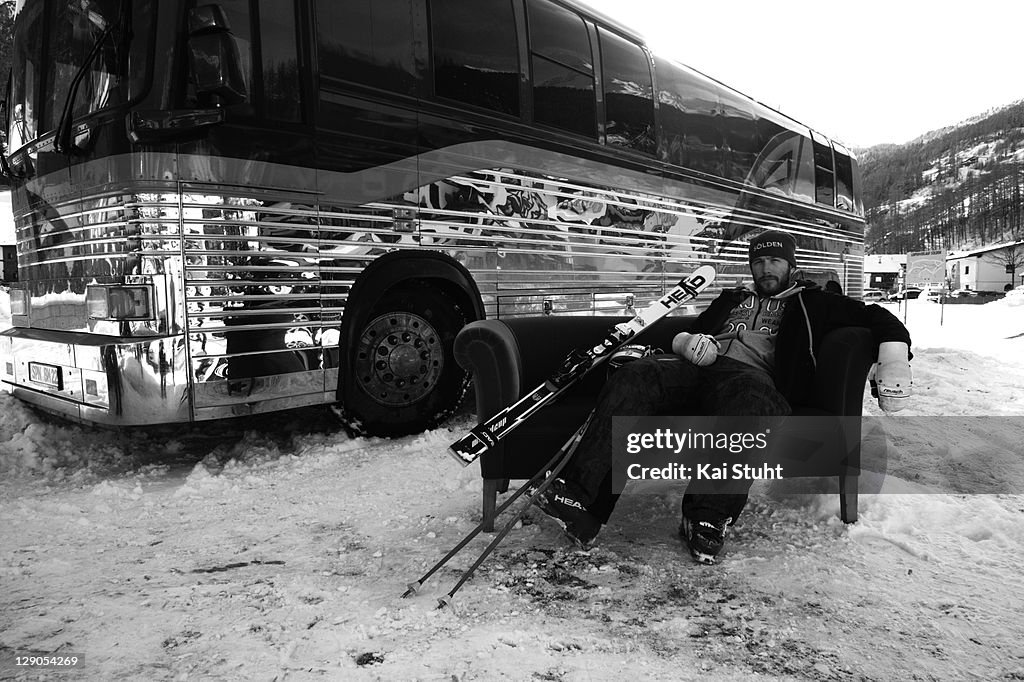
[740, 143]
[824, 171]
[475, 53]
[803, 184]
[282, 96]
[629, 94]
[687, 103]
[563, 69]
[844, 178]
[370, 42]
[785, 164]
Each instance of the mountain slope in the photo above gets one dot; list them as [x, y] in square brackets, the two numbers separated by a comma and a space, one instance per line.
[954, 188]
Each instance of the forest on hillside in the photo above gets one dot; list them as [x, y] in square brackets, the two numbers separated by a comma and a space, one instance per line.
[6, 28]
[955, 188]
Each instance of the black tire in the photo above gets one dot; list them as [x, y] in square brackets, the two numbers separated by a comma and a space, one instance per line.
[403, 378]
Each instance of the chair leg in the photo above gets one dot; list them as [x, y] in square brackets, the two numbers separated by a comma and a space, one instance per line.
[848, 497]
[491, 486]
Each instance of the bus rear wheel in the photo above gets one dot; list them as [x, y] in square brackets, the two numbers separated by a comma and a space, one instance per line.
[404, 378]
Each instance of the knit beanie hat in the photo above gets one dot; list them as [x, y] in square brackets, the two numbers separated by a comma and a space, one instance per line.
[774, 243]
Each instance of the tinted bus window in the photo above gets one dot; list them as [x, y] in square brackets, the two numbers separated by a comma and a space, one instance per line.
[858, 197]
[368, 42]
[824, 173]
[629, 102]
[739, 132]
[785, 164]
[559, 35]
[563, 70]
[688, 102]
[475, 56]
[28, 60]
[73, 37]
[844, 179]
[280, 53]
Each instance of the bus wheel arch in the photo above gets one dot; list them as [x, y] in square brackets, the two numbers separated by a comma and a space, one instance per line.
[398, 373]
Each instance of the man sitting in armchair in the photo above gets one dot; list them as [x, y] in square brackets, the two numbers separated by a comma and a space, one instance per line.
[753, 355]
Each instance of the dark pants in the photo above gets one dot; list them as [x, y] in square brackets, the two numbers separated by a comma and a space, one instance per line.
[670, 385]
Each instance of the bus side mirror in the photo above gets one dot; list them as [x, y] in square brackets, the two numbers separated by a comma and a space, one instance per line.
[214, 56]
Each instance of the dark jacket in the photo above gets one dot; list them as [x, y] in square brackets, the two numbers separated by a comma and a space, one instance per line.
[809, 316]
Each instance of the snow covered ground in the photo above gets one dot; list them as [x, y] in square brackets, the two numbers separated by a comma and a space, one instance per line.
[279, 549]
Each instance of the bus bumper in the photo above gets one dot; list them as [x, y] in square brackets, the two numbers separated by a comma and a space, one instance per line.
[98, 380]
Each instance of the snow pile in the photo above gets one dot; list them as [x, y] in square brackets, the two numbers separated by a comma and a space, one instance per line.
[984, 529]
[29, 446]
[118, 490]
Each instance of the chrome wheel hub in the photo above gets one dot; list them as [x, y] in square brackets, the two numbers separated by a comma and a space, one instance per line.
[399, 359]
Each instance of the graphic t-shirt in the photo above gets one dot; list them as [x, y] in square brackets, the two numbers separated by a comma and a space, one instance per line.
[749, 332]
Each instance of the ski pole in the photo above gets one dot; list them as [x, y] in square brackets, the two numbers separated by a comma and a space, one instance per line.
[563, 456]
[414, 587]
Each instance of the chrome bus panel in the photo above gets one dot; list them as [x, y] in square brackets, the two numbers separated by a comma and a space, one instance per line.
[264, 405]
[569, 303]
[105, 381]
[249, 391]
[253, 302]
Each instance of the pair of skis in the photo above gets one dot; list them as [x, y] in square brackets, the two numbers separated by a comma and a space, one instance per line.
[578, 364]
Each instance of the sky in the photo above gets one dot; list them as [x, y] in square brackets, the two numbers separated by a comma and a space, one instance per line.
[863, 73]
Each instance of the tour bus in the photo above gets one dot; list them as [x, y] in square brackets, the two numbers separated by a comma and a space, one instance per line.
[241, 206]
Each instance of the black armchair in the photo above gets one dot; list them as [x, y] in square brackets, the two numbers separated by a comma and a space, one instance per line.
[510, 357]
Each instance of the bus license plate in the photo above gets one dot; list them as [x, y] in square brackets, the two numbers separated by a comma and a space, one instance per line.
[47, 375]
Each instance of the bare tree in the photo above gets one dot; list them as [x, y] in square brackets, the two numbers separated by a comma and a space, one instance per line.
[1010, 257]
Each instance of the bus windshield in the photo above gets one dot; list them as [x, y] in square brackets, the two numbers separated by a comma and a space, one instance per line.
[55, 41]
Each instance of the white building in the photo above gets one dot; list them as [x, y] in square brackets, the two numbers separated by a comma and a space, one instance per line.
[6, 217]
[985, 269]
[882, 270]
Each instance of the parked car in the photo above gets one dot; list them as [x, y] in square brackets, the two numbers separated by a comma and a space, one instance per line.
[933, 294]
[1016, 292]
[963, 293]
[873, 296]
[909, 292]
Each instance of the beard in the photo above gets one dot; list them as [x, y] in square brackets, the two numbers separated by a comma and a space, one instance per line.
[769, 285]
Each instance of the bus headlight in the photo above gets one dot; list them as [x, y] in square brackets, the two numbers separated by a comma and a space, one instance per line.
[119, 302]
[19, 302]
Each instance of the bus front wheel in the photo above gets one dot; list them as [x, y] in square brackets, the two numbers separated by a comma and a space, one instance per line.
[404, 378]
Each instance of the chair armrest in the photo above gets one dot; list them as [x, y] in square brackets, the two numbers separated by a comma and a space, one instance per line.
[844, 359]
[489, 350]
